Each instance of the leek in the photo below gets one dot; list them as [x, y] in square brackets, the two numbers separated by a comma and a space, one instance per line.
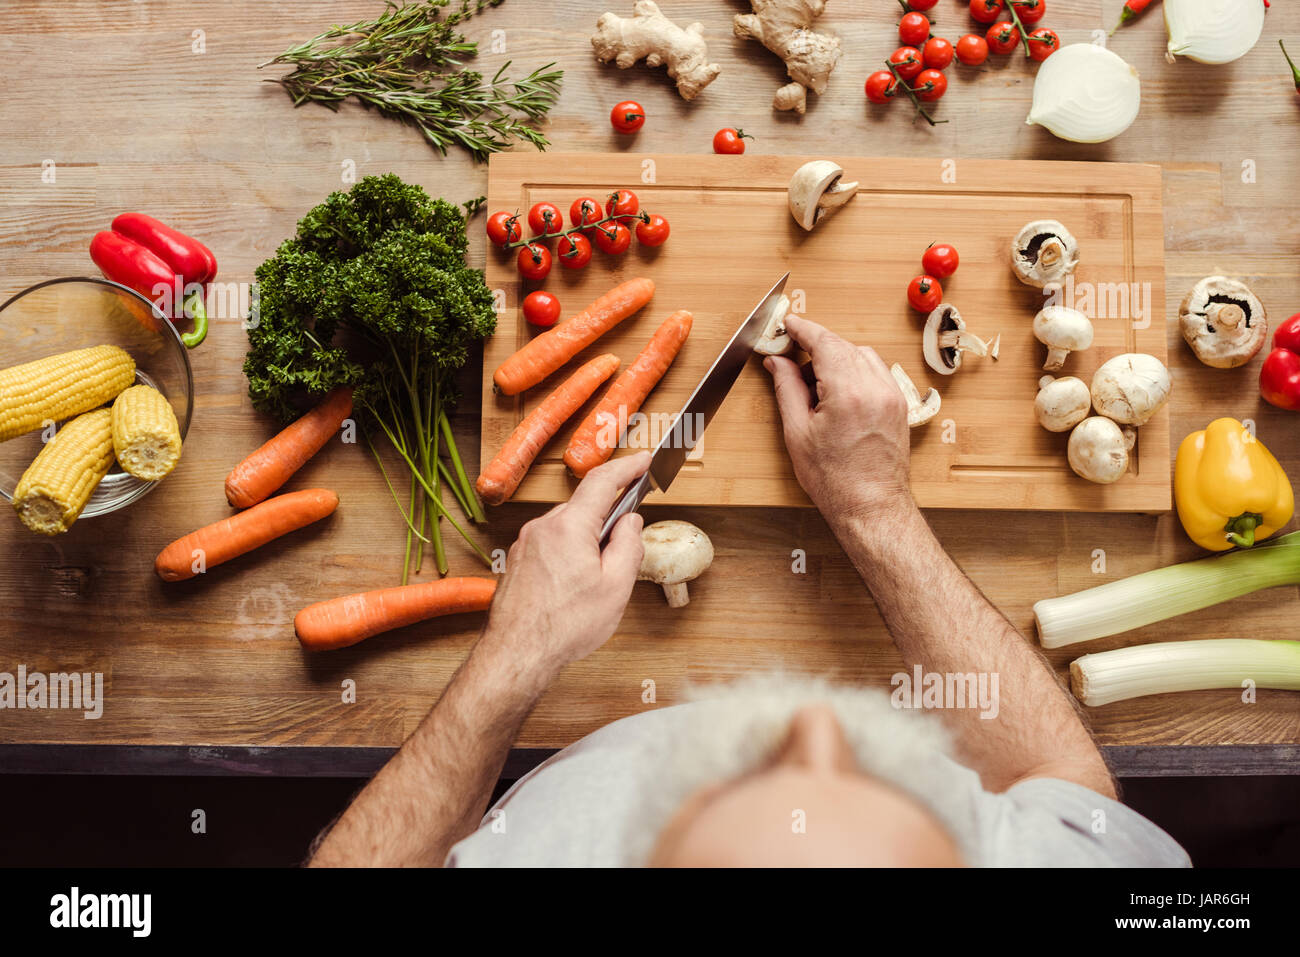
[1108, 676]
[1166, 592]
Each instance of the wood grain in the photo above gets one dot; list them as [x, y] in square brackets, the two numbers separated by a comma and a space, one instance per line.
[132, 117]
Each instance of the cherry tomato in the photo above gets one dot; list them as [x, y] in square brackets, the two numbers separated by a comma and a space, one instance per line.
[986, 11]
[541, 309]
[907, 61]
[914, 29]
[504, 228]
[881, 86]
[622, 202]
[534, 261]
[613, 238]
[972, 50]
[937, 53]
[930, 85]
[730, 140]
[1003, 37]
[652, 230]
[627, 117]
[924, 293]
[544, 219]
[1043, 43]
[585, 211]
[574, 251]
[940, 260]
[922, 4]
[1030, 11]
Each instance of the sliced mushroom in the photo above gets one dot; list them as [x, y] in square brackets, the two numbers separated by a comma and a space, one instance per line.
[816, 192]
[675, 553]
[919, 410]
[775, 341]
[945, 340]
[1062, 330]
[1131, 388]
[1063, 403]
[1099, 450]
[1224, 322]
[1044, 252]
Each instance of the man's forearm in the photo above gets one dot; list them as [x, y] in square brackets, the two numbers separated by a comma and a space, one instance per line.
[942, 622]
[435, 789]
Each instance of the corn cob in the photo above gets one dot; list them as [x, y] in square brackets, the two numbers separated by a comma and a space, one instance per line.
[58, 387]
[146, 436]
[57, 485]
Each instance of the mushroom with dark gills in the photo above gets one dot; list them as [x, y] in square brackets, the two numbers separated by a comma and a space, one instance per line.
[945, 340]
[1223, 321]
[1044, 252]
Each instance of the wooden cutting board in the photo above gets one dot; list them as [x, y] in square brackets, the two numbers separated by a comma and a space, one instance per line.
[732, 237]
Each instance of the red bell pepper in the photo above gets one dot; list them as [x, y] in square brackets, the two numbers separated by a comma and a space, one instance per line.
[1279, 379]
[144, 254]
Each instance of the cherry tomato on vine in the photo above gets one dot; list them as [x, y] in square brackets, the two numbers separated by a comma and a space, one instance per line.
[924, 293]
[1043, 43]
[922, 4]
[541, 309]
[730, 140]
[622, 202]
[1003, 37]
[881, 86]
[940, 260]
[544, 219]
[972, 50]
[574, 251]
[627, 117]
[585, 211]
[986, 11]
[1030, 11]
[914, 29]
[613, 238]
[930, 85]
[937, 53]
[534, 261]
[907, 62]
[651, 230]
[504, 228]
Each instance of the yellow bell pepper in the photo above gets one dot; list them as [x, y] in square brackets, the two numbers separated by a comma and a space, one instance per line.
[1229, 489]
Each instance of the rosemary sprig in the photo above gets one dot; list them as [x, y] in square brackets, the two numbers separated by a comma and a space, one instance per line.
[407, 63]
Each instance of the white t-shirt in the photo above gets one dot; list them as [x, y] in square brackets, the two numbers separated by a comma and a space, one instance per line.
[575, 808]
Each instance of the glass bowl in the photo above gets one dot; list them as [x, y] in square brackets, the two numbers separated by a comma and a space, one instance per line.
[61, 315]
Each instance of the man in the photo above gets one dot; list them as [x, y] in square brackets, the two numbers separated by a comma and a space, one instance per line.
[771, 771]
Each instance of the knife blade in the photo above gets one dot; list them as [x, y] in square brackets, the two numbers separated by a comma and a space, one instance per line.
[698, 411]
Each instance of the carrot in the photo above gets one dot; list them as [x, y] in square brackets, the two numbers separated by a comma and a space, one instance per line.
[595, 439]
[344, 621]
[257, 477]
[503, 475]
[553, 348]
[242, 532]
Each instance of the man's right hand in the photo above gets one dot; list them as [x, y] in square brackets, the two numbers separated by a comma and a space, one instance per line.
[849, 440]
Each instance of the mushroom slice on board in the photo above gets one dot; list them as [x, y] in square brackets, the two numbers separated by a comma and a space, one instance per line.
[775, 341]
[816, 191]
[675, 553]
[1063, 403]
[1062, 330]
[920, 409]
[945, 340]
[1044, 252]
[1223, 321]
[1131, 388]
[1099, 450]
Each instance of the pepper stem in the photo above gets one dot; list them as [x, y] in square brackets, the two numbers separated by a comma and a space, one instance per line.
[1295, 72]
[1241, 530]
[194, 308]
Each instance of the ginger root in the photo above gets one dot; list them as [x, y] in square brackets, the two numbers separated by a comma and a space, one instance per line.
[649, 34]
[785, 28]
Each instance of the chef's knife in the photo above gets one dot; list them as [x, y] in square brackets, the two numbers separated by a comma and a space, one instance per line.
[698, 411]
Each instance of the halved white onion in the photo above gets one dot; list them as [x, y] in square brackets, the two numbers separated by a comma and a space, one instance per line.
[1085, 93]
[1213, 31]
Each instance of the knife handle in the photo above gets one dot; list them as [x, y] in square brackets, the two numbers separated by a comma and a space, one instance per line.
[628, 503]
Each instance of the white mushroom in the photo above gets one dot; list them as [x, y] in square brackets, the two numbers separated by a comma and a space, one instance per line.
[816, 192]
[919, 410]
[1062, 330]
[1044, 252]
[1131, 388]
[775, 341]
[1063, 403]
[675, 553]
[945, 340]
[1224, 322]
[1099, 450]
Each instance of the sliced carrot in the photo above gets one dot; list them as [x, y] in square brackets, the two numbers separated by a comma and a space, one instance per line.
[344, 621]
[260, 475]
[242, 532]
[553, 348]
[597, 437]
[504, 473]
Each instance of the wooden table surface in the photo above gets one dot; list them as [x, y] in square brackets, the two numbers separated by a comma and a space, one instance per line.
[137, 109]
